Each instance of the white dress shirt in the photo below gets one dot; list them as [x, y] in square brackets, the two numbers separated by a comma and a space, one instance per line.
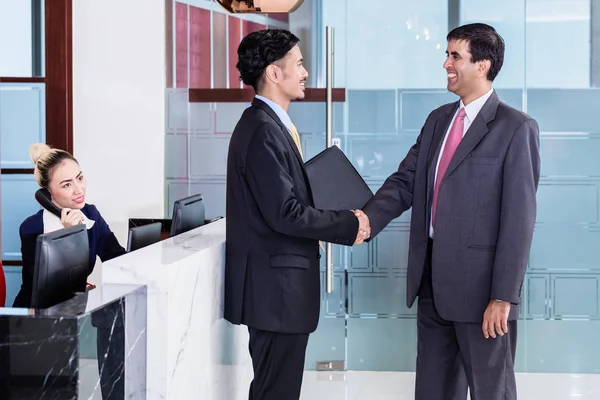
[471, 111]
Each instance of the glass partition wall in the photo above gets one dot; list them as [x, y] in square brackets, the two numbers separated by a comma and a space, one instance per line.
[389, 58]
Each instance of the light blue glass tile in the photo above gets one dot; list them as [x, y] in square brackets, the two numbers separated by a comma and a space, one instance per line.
[176, 156]
[18, 203]
[378, 294]
[543, 20]
[213, 193]
[565, 110]
[567, 202]
[570, 155]
[537, 296]
[509, 19]
[575, 296]
[338, 259]
[393, 44]
[415, 106]
[378, 156]
[333, 304]
[311, 117]
[558, 347]
[16, 46]
[14, 280]
[374, 185]
[208, 156]
[512, 97]
[228, 115]
[565, 248]
[382, 344]
[392, 248]
[327, 343]
[22, 122]
[361, 257]
[372, 111]
[183, 116]
[312, 144]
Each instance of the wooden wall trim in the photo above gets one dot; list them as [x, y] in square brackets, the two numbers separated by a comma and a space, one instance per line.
[59, 74]
[12, 263]
[246, 95]
[9, 79]
[16, 171]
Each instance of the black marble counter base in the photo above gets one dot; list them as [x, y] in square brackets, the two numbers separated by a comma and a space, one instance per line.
[90, 347]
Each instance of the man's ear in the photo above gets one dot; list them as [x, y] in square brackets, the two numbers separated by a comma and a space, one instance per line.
[483, 66]
[273, 73]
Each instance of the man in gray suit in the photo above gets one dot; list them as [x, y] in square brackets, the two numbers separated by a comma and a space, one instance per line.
[471, 180]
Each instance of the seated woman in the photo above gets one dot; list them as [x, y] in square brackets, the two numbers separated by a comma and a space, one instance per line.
[59, 172]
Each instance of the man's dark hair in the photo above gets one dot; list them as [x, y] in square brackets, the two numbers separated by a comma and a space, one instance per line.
[260, 49]
[484, 44]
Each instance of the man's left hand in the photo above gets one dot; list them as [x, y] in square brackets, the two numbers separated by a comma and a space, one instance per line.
[495, 319]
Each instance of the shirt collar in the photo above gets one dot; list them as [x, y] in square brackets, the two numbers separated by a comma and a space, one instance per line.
[283, 116]
[473, 108]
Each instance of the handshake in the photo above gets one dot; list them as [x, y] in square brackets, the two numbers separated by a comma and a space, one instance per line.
[364, 227]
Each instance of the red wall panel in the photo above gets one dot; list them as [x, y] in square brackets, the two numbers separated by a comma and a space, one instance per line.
[181, 45]
[199, 47]
[234, 42]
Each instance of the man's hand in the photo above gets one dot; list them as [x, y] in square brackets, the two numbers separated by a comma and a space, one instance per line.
[364, 227]
[495, 319]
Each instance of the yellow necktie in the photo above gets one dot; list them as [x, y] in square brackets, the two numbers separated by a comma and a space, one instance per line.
[296, 137]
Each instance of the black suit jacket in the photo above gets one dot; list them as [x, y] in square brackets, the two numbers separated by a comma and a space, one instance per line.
[486, 209]
[272, 279]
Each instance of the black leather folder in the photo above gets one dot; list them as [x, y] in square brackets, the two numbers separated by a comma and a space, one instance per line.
[335, 183]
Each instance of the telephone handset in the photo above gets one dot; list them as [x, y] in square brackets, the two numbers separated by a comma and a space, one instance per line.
[43, 197]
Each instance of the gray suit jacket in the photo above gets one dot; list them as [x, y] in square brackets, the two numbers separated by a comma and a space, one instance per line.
[486, 209]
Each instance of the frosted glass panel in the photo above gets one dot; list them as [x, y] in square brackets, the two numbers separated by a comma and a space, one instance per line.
[398, 44]
[15, 38]
[22, 122]
[508, 18]
[565, 110]
[14, 279]
[176, 157]
[18, 203]
[389, 57]
[378, 294]
[572, 19]
[571, 154]
[372, 111]
[382, 344]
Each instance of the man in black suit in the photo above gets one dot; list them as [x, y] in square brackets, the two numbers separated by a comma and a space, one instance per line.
[471, 180]
[272, 279]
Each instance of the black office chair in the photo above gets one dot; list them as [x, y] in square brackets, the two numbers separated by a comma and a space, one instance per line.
[188, 214]
[144, 235]
[61, 266]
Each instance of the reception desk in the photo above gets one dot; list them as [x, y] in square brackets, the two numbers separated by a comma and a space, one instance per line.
[91, 347]
[192, 352]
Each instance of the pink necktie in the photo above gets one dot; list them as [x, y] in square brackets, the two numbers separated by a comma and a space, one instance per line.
[454, 138]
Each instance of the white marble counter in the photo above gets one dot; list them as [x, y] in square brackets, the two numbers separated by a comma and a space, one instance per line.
[193, 353]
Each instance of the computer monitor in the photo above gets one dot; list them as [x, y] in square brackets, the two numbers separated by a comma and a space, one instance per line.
[144, 235]
[61, 266]
[188, 214]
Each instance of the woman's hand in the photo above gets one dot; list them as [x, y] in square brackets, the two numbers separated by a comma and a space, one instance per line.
[69, 217]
